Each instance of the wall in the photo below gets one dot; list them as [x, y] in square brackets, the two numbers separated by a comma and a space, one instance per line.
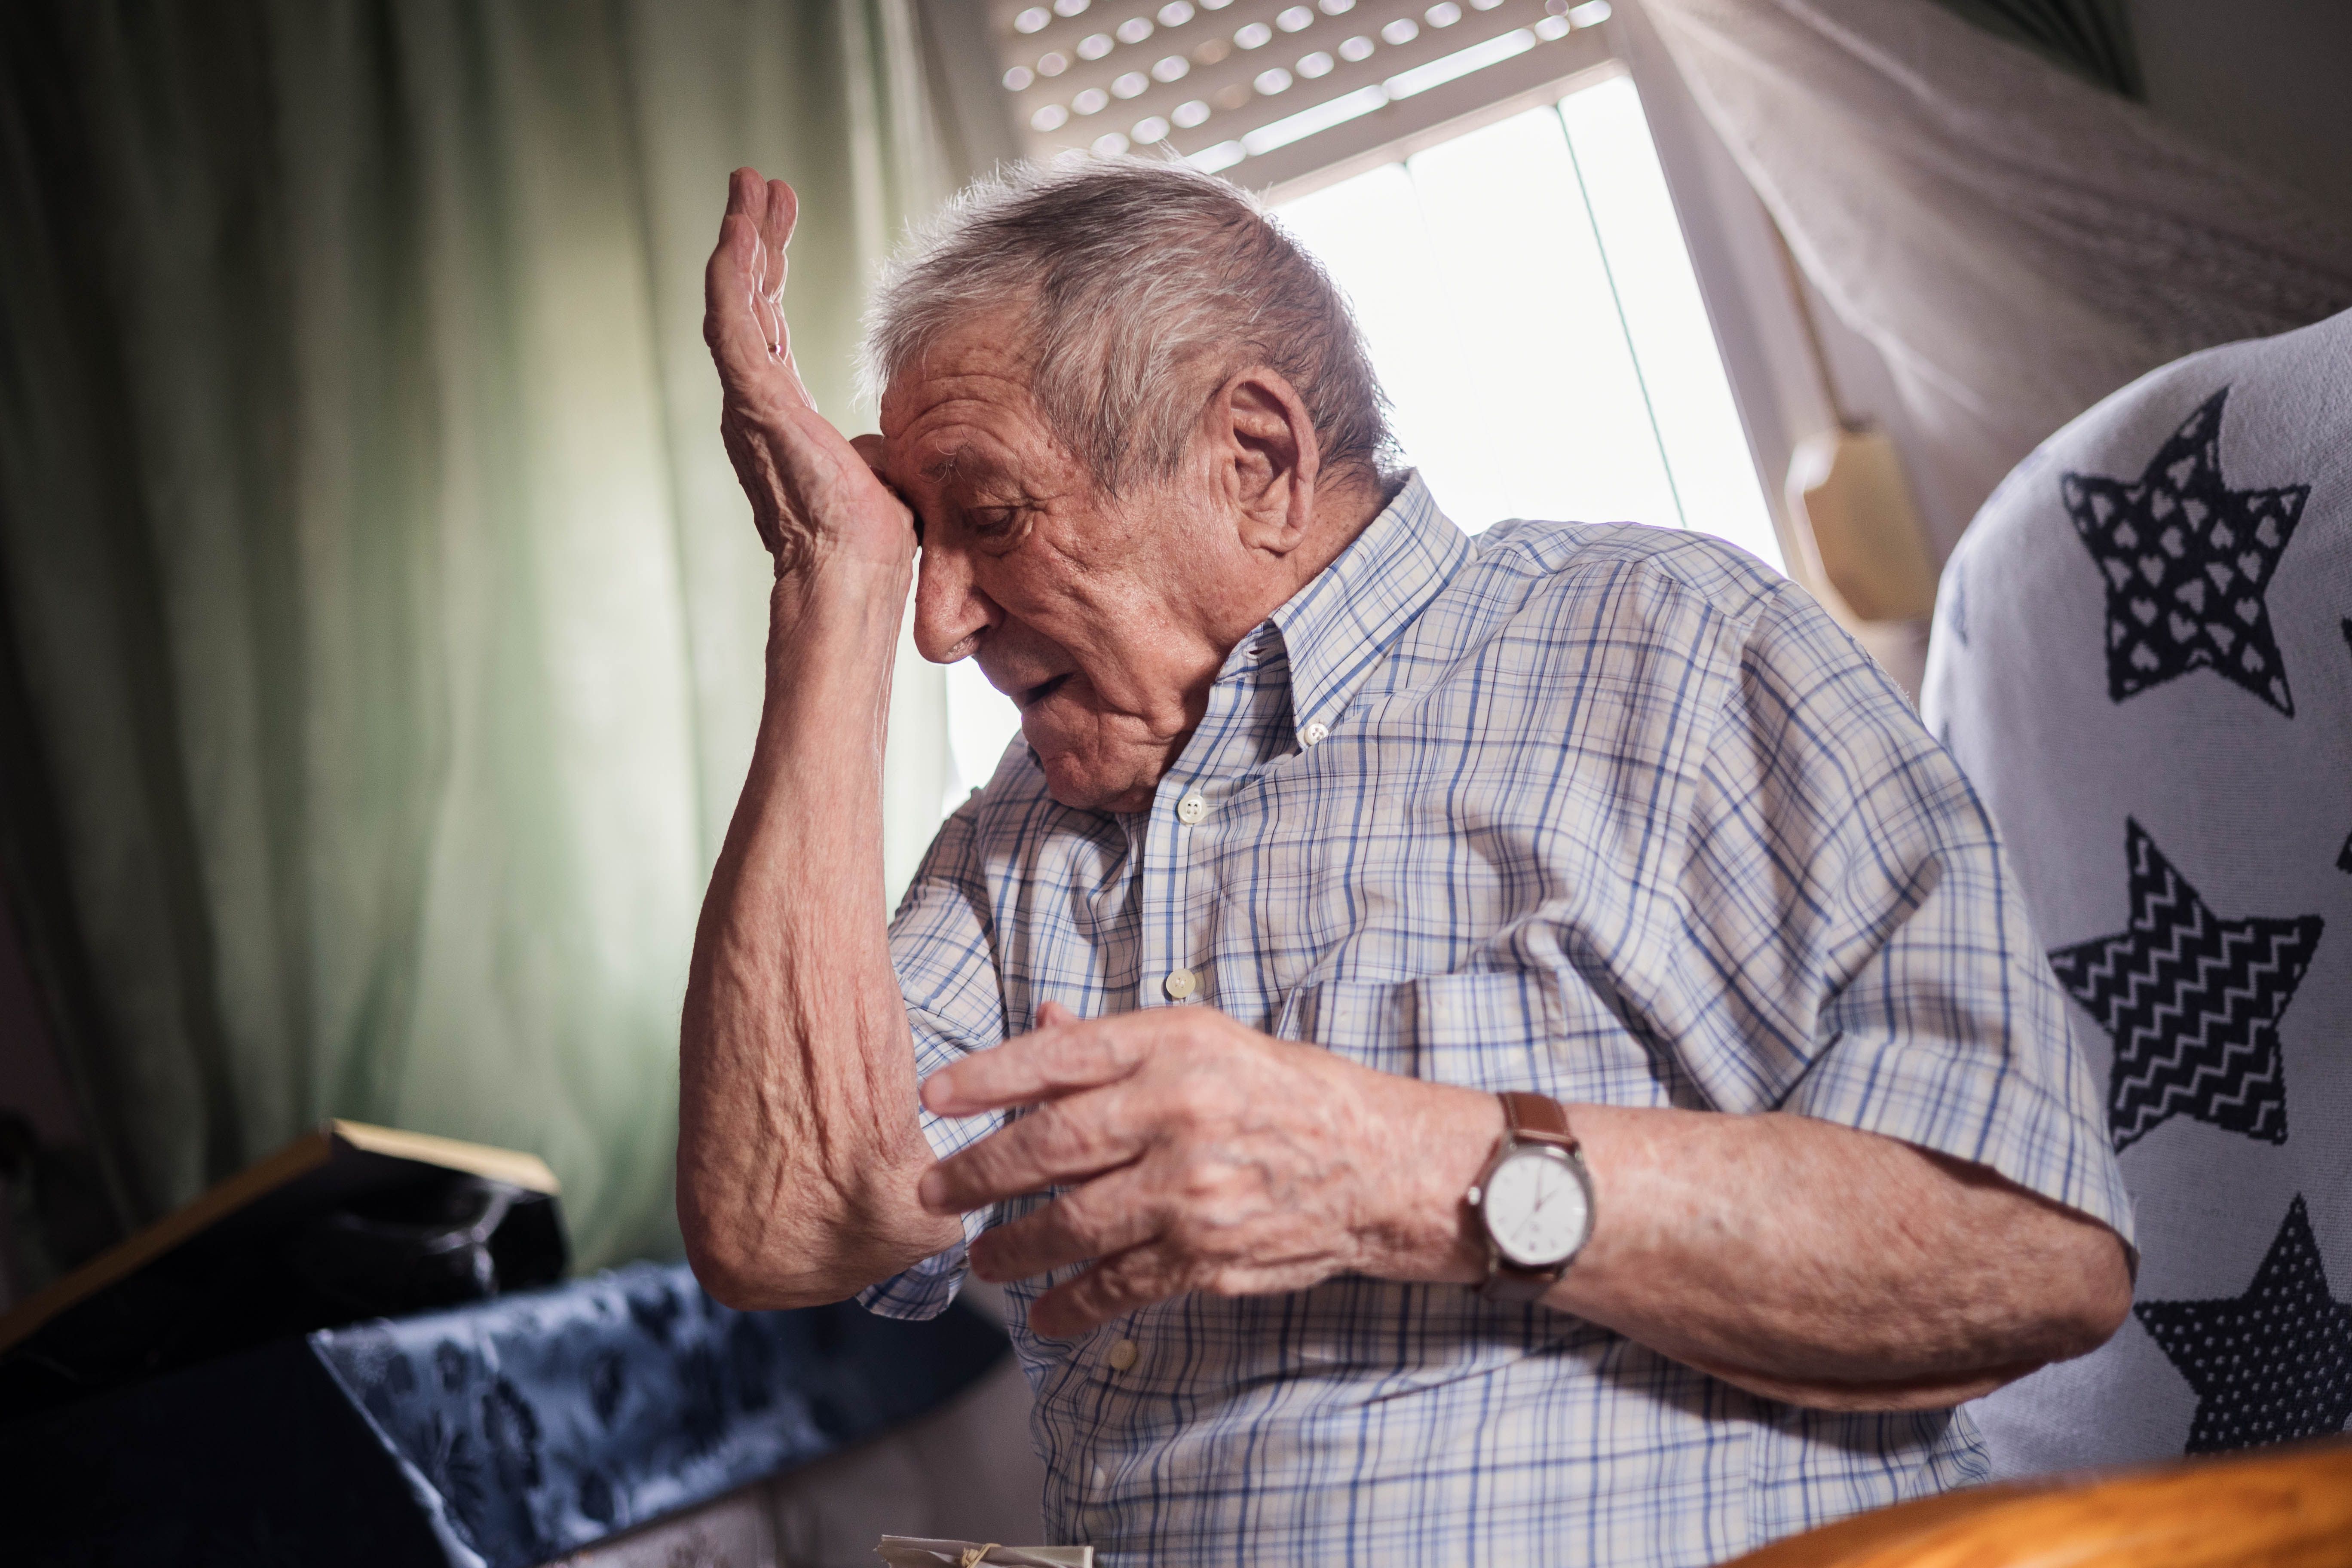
[2269, 80]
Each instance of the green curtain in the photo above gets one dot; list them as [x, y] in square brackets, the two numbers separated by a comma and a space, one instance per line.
[383, 624]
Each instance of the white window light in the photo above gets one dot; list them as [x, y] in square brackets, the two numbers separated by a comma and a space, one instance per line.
[1460, 63]
[1070, 7]
[1270, 82]
[1216, 160]
[1444, 14]
[1314, 66]
[1308, 122]
[1175, 14]
[1172, 69]
[1356, 50]
[1404, 30]
[1018, 78]
[1094, 46]
[1032, 20]
[1109, 144]
[1053, 64]
[1529, 302]
[1135, 30]
[1190, 113]
[1094, 101]
[1052, 117]
[1591, 14]
[1295, 19]
[1151, 129]
[1252, 35]
[1551, 28]
[1129, 84]
[1342, 8]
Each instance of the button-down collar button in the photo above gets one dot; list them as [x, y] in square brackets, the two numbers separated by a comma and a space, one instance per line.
[1179, 984]
[1191, 808]
[1101, 1479]
[1315, 731]
[1123, 1355]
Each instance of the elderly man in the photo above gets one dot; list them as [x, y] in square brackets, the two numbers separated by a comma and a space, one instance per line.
[1507, 1049]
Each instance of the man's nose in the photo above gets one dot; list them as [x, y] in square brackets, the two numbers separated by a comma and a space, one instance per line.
[950, 610]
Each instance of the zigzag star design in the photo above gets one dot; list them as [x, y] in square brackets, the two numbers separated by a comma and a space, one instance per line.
[2192, 1002]
[2188, 561]
[2344, 856]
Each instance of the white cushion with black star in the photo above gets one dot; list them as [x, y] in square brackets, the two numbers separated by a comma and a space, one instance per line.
[2143, 658]
[2187, 563]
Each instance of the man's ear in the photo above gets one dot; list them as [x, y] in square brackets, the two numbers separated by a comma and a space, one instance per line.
[1264, 443]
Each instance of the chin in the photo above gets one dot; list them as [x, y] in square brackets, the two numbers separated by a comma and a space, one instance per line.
[1073, 783]
[1078, 779]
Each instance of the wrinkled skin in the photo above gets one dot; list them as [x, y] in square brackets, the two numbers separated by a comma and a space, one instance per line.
[1797, 1259]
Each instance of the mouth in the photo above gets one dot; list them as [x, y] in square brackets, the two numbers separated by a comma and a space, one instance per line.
[1024, 700]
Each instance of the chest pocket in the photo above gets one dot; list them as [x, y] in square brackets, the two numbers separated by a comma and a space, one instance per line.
[1485, 1029]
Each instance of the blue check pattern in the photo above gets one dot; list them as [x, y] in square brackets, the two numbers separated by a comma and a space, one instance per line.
[1614, 814]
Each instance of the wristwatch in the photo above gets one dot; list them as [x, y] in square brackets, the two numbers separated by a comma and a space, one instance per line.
[1535, 1200]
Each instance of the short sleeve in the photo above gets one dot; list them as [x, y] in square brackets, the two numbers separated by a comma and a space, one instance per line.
[944, 946]
[1876, 964]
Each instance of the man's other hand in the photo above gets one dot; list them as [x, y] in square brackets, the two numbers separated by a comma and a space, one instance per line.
[1204, 1156]
[813, 494]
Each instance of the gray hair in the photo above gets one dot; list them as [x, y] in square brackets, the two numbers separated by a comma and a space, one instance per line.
[1142, 282]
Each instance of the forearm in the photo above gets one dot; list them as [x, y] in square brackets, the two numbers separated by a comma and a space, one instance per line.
[798, 1144]
[1810, 1262]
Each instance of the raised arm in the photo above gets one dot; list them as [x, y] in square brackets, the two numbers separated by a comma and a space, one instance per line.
[798, 1142]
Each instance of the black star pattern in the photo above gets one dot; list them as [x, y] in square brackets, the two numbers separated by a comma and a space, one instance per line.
[2344, 856]
[2192, 1002]
[2188, 561]
[2272, 1365]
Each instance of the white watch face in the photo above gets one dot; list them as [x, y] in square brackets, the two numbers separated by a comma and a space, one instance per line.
[1536, 1209]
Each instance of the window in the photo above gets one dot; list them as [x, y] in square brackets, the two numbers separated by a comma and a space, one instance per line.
[1481, 180]
[1533, 313]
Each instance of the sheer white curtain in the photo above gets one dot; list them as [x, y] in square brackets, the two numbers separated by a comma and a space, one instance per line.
[2016, 242]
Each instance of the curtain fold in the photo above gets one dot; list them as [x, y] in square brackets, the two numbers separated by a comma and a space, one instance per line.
[2016, 242]
[2089, 37]
[386, 623]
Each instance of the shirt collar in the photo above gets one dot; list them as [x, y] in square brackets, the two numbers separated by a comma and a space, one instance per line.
[1336, 629]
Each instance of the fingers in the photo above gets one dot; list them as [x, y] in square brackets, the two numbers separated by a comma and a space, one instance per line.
[1107, 1215]
[1069, 1141]
[743, 291]
[779, 216]
[737, 344]
[1055, 1059]
[870, 446]
[1111, 1289]
[782, 214]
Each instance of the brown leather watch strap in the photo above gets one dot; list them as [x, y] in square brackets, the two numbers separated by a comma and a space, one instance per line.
[1527, 1119]
[1536, 1119]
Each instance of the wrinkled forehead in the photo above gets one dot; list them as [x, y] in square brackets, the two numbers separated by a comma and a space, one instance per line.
[963, 408]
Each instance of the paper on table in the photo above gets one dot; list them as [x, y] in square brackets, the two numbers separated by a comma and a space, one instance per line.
[914, 1551]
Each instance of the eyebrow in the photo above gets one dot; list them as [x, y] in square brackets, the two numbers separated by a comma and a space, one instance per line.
[965, 462]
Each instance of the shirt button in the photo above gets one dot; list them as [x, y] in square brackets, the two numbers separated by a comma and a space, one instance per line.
[1315, 731]
[1191, 808]
[1101, 1479]
[1179, 984]
[1123, 1355]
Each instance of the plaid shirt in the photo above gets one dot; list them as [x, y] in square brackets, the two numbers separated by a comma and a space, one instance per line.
[1610, 813]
